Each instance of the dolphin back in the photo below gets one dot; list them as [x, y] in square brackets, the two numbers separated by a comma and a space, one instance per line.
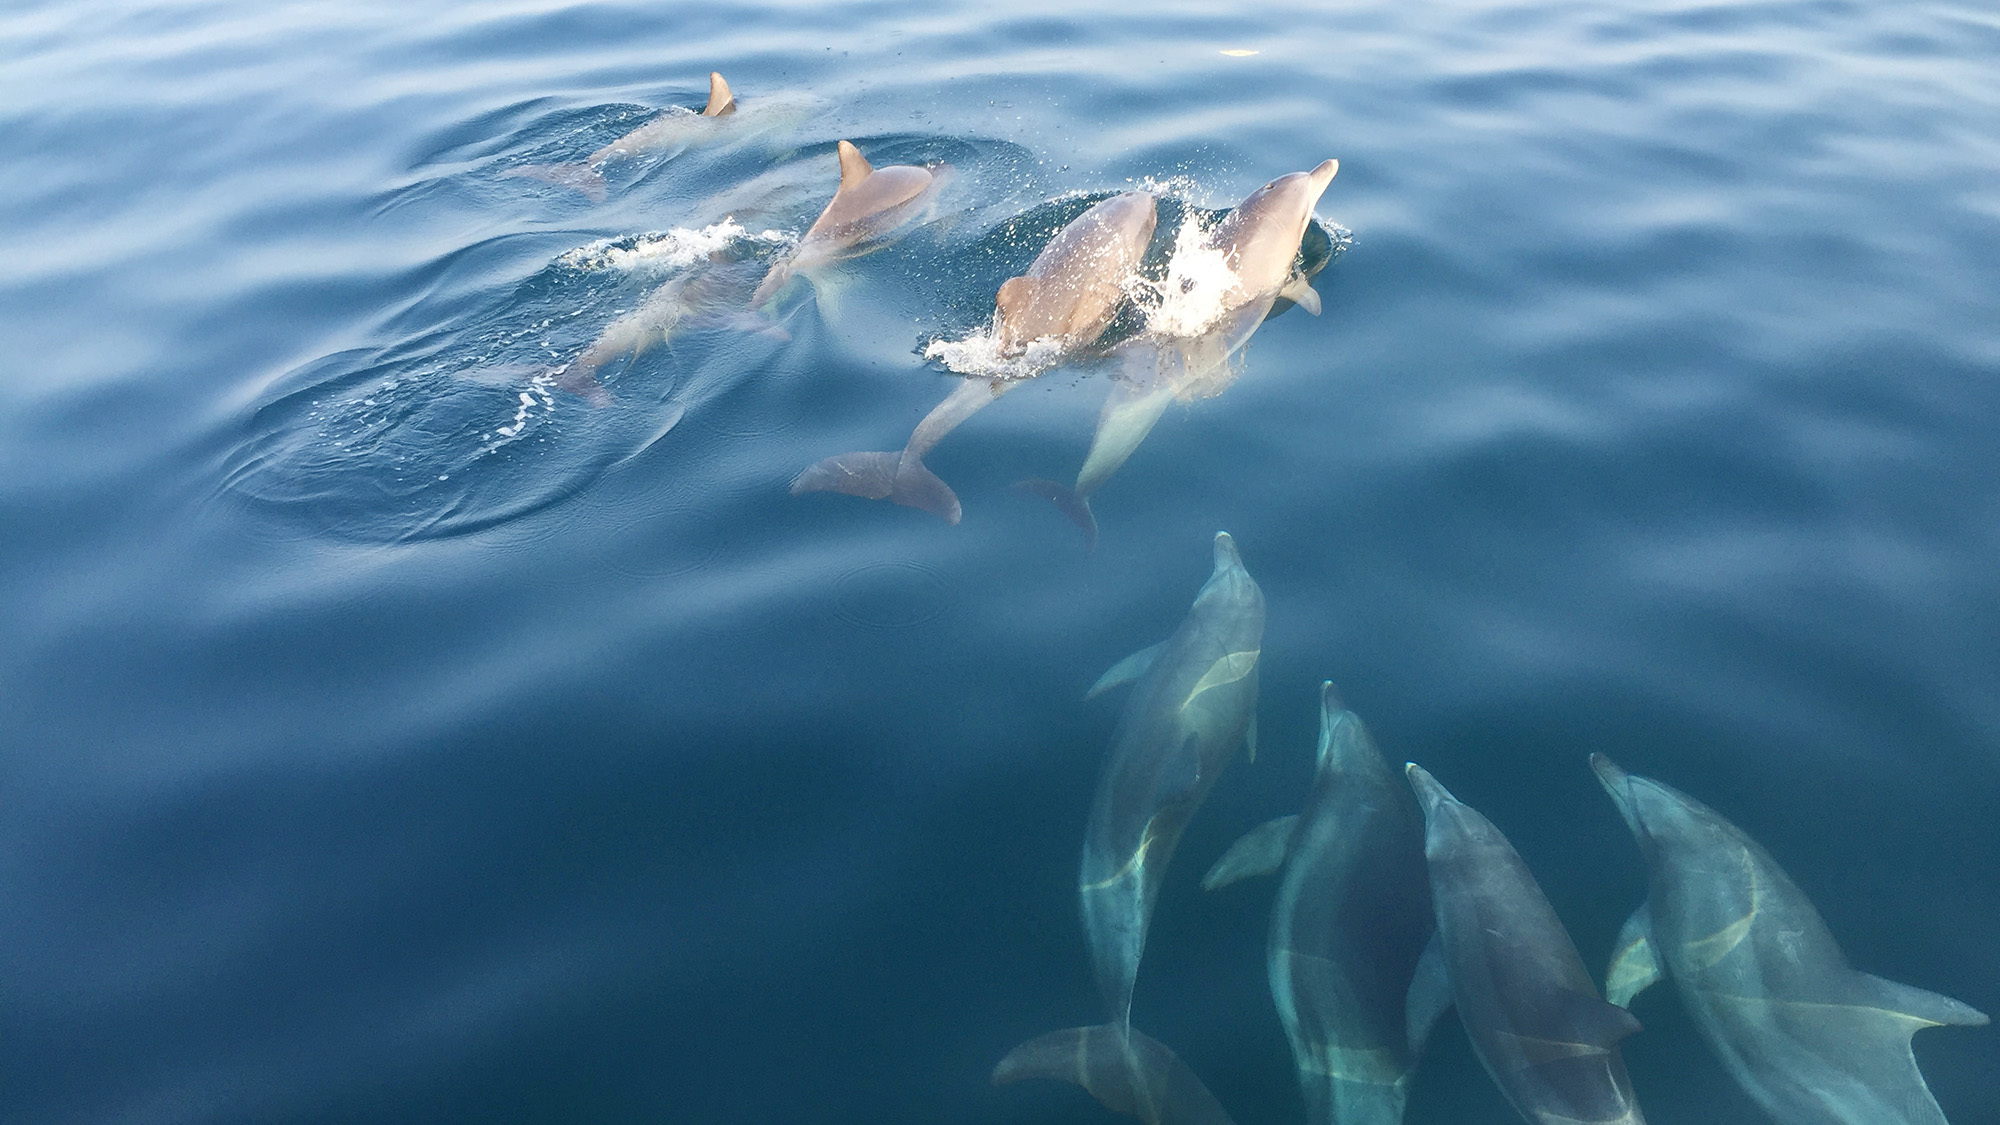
[1124, 1069]
[1529, 1007]
[1806, 1036]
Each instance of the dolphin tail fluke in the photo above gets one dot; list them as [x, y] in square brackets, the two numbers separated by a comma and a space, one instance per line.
[894, 477]
[583, 382]
[1066, 500]
[580, 177]
[1129, 1072]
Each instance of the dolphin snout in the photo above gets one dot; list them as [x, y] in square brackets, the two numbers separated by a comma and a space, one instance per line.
[1429, 793]
[1618, 783]
[1608, 773]
[1330, 702]
[1225, 551]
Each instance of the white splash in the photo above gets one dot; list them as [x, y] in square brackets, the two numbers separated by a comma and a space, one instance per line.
[978, 354]
[669, 250]
[536, 396]
[1190, 299]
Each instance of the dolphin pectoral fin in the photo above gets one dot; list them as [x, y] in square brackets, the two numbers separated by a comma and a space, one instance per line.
[1924, 1009]
[1300, 292]
[580, 177]
[1635, 964]
[776, 280]
[1125, 1070]
[831, 289]
[1260, 851]
[881, 476]
[1126, 670]
[1066, 500]
[1429, 997]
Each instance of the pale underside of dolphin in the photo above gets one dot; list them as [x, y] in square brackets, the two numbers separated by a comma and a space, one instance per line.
[1192, 704]
[1061, 306]
[869, 205]
[1349, 926]
[1811, 1040]
[667, 133]
[1529, 1007]
[1259, 243]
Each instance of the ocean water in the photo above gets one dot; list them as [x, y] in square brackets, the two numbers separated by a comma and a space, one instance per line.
[389, 735]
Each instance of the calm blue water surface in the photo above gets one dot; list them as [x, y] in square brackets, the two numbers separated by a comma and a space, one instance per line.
[386, 736]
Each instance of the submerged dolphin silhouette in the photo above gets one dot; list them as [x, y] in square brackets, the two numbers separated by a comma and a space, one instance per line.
[710, 293]
[1194, 701]
[1349, 926]
[672, 129]
[1528, 1005]
[869, 204]
[1811, 1040]
[1258, 243]
[1063, 303]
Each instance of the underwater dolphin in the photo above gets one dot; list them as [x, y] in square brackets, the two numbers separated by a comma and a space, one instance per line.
[1193, 702]
[1063, 303]
[1811, 1040]
[1528, 1005]
[673, 129]
[711, 292]
[1258, 243]
[1348, 928]
[869, 204]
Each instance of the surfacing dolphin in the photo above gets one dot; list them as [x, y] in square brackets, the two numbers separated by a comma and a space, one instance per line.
[1528, 1005]
[1348, 928]
[1060, 307]
[1193, 702]
[669, 132]
[867, 207]
[1811, 1040]
[1257, 244]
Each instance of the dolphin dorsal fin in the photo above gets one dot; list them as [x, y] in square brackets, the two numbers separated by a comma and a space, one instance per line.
[720, 100]
[854, 167]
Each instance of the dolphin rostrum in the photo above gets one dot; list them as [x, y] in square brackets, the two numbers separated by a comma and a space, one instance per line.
[1257, 245]
[669, 131]
[1529, 1007]
[1193, 702]
[1348, 928]
[1811, 1040]
[869, 204]
[1060, 306]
